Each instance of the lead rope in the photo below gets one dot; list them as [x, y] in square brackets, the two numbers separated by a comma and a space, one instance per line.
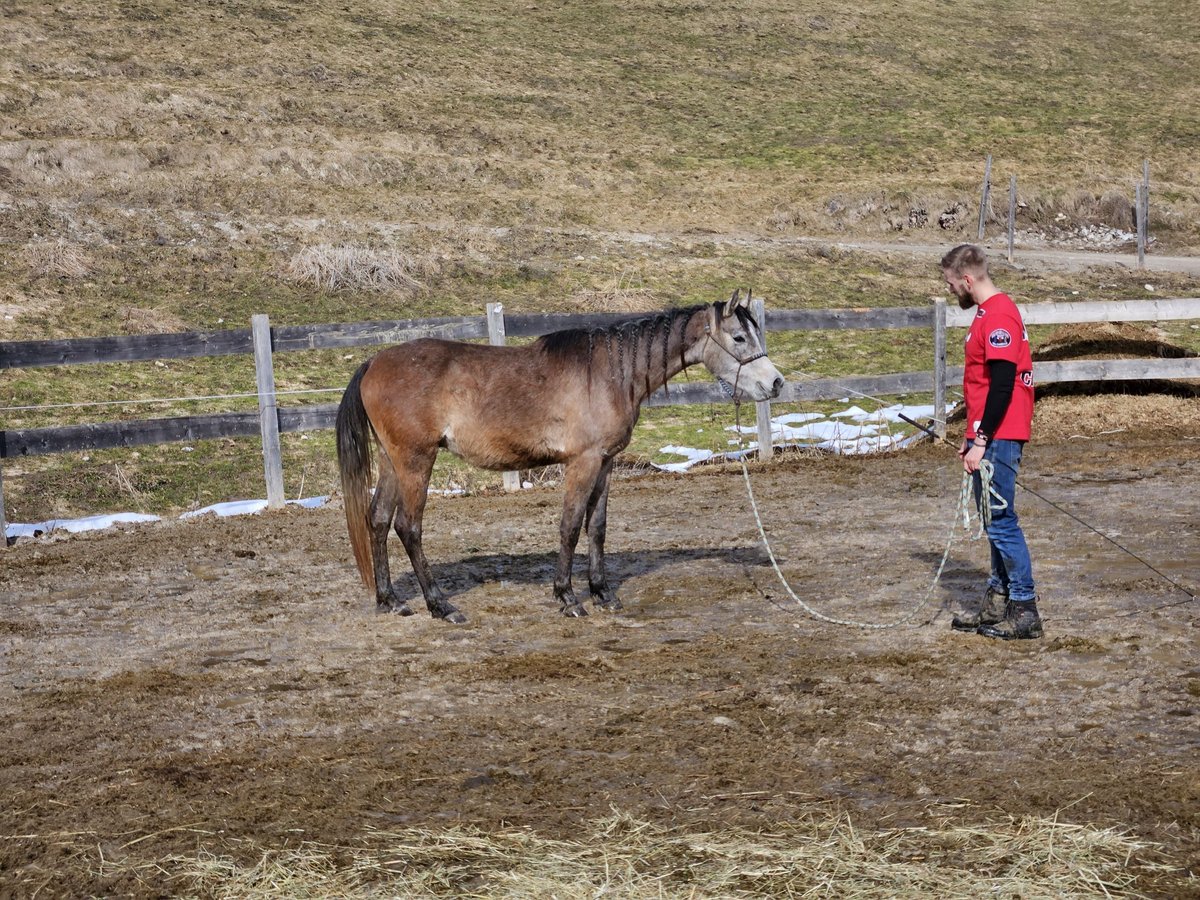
[962, 512]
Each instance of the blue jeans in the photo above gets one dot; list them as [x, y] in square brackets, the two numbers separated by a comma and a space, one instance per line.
[1012, 569]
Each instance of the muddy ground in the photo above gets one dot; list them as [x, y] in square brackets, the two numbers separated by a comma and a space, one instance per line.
[226, 683]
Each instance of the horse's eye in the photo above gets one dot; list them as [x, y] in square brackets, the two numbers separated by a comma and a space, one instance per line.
[739, 339]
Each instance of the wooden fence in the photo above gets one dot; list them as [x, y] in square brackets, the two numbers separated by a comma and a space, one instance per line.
[263, 340]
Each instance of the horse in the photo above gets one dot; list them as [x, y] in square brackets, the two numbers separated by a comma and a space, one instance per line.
[570, 397]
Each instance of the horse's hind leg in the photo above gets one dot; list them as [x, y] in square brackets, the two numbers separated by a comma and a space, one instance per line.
[413, 491]
[383, 511]
[603, 596]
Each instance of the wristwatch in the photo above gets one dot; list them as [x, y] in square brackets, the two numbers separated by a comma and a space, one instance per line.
[981, 439]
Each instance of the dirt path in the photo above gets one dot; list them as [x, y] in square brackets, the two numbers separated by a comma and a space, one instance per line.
[203, 683]
[1046, 257]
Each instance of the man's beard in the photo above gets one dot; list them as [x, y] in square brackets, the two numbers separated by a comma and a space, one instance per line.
[965, 302]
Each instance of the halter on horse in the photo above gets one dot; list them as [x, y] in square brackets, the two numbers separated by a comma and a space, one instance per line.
[570, 397]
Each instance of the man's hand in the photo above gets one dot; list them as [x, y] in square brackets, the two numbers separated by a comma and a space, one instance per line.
[971, 454]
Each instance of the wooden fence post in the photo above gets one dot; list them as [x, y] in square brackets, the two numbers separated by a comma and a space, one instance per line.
[1012, 213]
[496, 337]
[762, 409]
[983, 199]
[268, 412]
[1138, 191]
[1141, 206]
[939, 366]
[3, 520]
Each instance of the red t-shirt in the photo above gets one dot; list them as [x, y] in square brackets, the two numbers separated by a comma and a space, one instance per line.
[997, 332]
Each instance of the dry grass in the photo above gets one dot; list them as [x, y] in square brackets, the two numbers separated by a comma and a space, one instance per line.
[622, 857]
[349, 268]
[620, 296]
[56, 259]
[749, 116]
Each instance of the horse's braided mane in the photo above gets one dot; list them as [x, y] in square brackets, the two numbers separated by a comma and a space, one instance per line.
[622, 341]
[578, 345]
[572, 342]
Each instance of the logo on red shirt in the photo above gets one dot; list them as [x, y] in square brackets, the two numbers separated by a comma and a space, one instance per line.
[1000, 338]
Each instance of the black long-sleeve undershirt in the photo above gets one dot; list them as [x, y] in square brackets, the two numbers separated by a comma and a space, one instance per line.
[1002, 379]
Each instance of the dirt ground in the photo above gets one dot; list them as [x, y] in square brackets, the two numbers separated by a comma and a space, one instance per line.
[226, 683]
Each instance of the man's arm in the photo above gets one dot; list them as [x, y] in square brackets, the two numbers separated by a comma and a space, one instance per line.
[1002, 378]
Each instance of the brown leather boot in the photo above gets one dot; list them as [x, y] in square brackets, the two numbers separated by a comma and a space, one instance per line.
[1021, 622]
[989, 612]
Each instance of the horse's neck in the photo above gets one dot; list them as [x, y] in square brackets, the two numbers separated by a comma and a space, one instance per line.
[663, 365]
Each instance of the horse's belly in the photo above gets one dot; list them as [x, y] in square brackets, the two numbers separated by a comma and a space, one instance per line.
[493, 449]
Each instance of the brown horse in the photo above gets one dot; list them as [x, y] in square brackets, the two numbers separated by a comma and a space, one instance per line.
[571, 397]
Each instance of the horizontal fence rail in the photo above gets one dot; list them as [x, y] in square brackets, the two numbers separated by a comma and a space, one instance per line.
[16, 443]
[131, 433]
[1078, 312]
[285, 338]
[19, 442]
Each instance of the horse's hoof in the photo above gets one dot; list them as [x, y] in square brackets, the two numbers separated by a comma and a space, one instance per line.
[574, 610]
[449, 614]
[610, 604]
[392, 606]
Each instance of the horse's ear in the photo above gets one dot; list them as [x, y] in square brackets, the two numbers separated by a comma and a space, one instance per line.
[733, 303]
[746, 301]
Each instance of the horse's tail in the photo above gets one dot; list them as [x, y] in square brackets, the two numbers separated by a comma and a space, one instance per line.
[354, 436]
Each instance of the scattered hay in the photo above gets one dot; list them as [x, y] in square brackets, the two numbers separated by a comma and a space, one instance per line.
[623, 857]
[1163, 415]
[56, 259]
[347, 267]
[1115, 340]
[1107, 340]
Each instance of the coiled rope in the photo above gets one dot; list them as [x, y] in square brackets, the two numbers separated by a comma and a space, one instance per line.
[961, 513]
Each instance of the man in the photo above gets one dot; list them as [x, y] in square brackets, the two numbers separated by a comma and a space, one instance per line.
[998, 389]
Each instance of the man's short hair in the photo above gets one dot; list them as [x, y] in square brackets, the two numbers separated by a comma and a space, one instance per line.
[966, 258]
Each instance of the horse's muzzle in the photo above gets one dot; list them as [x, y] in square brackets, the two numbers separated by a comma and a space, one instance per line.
[755, 390]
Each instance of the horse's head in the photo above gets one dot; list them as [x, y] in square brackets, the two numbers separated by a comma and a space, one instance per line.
[734, 351]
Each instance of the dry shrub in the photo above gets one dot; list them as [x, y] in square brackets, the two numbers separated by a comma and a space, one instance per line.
[57, 259]
[348, 267]
[616, 299]
[1111, 208]
[623, 857]
[1116, 210]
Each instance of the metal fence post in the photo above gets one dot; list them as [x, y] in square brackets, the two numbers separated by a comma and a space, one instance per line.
[939, 366]
[496, 337]
[268, 412]
[762, 409]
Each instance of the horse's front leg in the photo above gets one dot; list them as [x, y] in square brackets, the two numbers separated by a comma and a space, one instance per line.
[603, 596]
[580, 479]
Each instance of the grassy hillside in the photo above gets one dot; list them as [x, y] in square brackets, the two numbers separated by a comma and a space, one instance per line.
[168, 165]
